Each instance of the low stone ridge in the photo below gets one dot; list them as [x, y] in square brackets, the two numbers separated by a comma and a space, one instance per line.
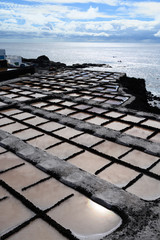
[69, 138]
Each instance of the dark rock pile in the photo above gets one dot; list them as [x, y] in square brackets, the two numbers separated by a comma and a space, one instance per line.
[143, 99]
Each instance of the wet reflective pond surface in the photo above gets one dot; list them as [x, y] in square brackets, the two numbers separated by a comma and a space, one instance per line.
[86, 219]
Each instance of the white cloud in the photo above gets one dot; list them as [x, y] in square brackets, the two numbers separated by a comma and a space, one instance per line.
[140, 9]
[148, 9]
[108, 2]
[99, 26]
[157, 34]
[91, 13]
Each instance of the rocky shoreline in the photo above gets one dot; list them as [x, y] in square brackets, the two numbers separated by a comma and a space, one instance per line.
[44, 63]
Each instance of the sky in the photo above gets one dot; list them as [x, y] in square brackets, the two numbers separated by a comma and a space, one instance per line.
[80, 20]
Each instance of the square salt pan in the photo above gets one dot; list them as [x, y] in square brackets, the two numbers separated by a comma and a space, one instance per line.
[139, 132]
[12, 213]
[47, 193]
[9, 160]
[111, 149]
[146, 188]
[44, 141]
[23, 176]
[118, 175]
[152, 123]
[118, 126]
[87, 140]
[37, 230]
[140, 159]
[51, 126]
[64, 150]
[89, 162]
[67, 132]
[27, 134]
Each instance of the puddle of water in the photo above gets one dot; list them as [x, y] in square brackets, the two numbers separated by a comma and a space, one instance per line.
[37, 230]
[85, 218]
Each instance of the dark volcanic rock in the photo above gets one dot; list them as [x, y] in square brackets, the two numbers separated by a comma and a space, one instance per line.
[43, 61]
[137, 88]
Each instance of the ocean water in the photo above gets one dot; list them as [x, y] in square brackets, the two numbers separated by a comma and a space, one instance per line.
[135, 59]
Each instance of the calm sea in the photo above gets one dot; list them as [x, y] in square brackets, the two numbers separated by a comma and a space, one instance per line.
[137, 60]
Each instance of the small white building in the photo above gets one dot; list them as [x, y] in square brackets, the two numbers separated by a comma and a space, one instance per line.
[2, 54]
[14, 60]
